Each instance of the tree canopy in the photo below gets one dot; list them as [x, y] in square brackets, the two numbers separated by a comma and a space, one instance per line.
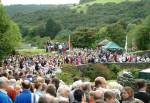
[140, 35]
[9, 34]
[84, 37]
[111, 20]
[52, 28]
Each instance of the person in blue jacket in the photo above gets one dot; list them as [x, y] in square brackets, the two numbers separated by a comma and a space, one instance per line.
[26, 96]
[4, 98]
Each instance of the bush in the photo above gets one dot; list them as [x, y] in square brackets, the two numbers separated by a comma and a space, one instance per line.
[37, 41]
[93, 71]
[125, 81]
[109, 71]
[68, 73]
[135, 72]
[114, 68]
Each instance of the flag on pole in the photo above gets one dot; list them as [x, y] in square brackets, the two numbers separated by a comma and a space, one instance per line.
[126, 44]
[69, 44]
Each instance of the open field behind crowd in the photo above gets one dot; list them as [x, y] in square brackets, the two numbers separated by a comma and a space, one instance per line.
[28, 52]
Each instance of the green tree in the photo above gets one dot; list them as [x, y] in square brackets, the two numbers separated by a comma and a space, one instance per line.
[9, 34]
[37, 31]
[141, 34]
[37, 41]
[115, 32]
[63, 35]
[85, 1]
[130, 36]
[52, 28]
[84, 37]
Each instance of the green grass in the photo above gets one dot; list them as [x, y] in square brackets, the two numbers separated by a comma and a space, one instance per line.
[84, 7]
[139, 52]
[28, 52]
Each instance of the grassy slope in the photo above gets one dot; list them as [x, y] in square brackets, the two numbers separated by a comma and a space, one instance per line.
[29, 52]
[84, 7]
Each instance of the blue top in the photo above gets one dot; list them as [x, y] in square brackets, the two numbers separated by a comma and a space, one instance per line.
[4, 98]
[24, 97]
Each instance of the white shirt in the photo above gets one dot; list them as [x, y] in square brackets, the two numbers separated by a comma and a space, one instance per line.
[3, 91]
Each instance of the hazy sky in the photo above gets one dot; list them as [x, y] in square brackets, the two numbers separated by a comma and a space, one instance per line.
[10, 2]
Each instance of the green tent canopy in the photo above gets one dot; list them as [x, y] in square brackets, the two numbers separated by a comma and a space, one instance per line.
[112, 45]
[145, 74]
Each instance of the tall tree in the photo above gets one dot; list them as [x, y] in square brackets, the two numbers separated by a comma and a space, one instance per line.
[9, 34]
[52, 28]
[84, 37]
[141, 34]
[85, 1]
[115, 32]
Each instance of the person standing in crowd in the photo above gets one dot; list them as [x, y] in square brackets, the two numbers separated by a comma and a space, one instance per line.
[51, 89]
[38, 93]
[100, 83]
[78, 94]
[11, 89]
[25, 96]
[142, 94]
[4, 98]
[127, 95]
[109, 97]
[48, 99]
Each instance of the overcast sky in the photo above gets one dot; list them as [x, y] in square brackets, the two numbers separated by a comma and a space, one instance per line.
[10, 2]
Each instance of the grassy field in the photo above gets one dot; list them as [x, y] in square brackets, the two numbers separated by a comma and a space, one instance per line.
[140, 52]
[84, 7]
[28, 52]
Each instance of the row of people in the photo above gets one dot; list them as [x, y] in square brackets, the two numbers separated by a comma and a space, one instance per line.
[53, 90]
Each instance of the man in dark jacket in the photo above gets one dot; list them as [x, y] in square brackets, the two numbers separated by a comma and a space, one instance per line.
[142, 94]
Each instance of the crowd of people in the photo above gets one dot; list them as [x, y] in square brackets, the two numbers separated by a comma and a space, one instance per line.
[14, 89]
[31, 79]
[79, 56]
[101, 55]
[61, 47]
